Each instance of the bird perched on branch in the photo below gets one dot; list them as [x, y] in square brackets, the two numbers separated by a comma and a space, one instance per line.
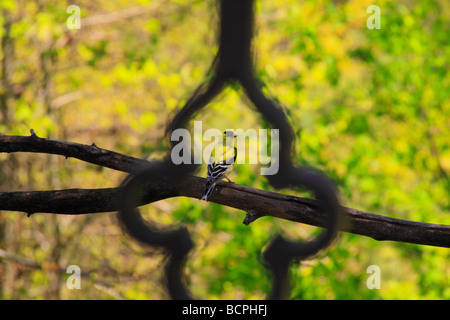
[221, 162]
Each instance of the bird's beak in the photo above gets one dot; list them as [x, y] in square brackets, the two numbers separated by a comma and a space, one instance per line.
[235, 135]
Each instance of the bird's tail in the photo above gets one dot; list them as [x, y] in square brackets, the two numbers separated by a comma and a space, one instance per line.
[210, 184]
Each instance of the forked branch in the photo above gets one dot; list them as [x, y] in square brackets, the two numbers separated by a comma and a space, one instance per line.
[256, 203]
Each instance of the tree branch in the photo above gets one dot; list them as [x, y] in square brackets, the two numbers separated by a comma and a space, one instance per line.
[91, 154]
[118, 15]
[256, 203]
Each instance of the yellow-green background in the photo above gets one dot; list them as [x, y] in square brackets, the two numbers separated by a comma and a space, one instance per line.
[370, 108]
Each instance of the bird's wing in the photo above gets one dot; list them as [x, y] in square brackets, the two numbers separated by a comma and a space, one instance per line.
[222, 161]
[223, 154]
[229, 156]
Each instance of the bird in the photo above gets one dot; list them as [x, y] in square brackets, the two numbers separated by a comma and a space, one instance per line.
[221, 162]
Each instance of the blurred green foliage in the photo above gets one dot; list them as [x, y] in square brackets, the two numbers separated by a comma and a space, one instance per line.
[370, 108]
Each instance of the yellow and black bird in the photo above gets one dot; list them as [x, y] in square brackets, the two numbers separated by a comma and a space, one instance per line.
[221, 162]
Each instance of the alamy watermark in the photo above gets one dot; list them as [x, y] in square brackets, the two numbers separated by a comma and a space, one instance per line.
[264, 139]
[74, 280]
[74, 20]
[374, 280]
[374, 21]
